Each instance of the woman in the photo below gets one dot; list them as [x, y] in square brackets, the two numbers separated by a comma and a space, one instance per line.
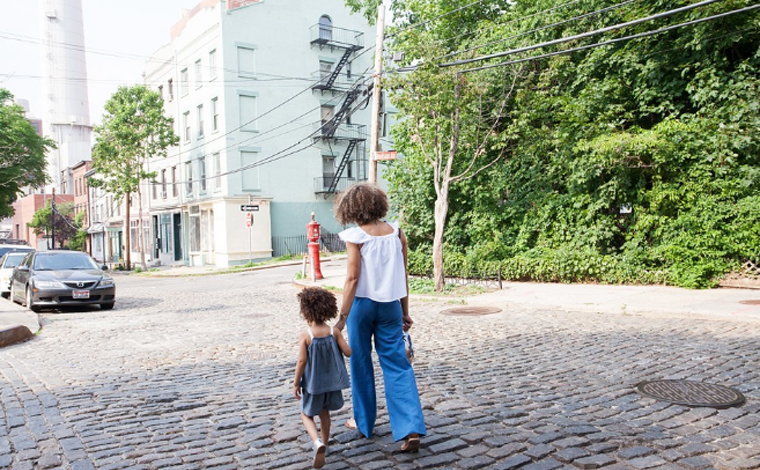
[376, 305]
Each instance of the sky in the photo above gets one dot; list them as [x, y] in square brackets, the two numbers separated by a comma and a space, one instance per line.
[114, 33]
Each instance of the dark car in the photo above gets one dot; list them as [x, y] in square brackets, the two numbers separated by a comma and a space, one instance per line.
[60, 278]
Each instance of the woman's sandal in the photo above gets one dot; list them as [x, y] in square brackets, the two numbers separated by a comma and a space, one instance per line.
[411, 444]
[351, 424]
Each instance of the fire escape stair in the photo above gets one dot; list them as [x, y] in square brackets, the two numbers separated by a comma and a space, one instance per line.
[342, 166]
[327, 85]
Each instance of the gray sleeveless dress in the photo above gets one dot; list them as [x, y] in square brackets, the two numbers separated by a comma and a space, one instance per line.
[324, 377]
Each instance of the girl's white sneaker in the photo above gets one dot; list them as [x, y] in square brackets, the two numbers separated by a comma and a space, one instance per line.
[319, 454]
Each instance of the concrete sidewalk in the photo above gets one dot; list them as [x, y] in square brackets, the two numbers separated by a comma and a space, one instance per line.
[718, 303]
[16, 323]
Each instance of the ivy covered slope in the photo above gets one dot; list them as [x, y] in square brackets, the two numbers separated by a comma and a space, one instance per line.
[635, 162]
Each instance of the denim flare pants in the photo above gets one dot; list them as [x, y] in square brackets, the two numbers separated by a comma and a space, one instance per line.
[383, 320]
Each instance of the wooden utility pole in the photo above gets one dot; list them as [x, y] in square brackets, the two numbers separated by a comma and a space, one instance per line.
[376, 94]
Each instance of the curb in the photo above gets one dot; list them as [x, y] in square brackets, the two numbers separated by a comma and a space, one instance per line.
[14, 334]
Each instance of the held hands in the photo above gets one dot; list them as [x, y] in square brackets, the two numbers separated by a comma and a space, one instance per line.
[340, 324]
[408, 322]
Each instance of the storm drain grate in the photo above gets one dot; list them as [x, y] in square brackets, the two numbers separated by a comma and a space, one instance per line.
[750, 302]
[471, 311]
[691, 393]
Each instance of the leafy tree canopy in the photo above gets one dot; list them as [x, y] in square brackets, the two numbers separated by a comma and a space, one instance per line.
[22, 153]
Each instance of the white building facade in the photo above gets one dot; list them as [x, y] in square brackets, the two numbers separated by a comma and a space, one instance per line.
[269, 100]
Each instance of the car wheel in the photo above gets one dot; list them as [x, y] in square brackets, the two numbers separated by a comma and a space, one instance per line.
[29, 302]
[106, 306]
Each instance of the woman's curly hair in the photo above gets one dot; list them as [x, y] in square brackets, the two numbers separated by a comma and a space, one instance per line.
[317, 305]
[361, 204]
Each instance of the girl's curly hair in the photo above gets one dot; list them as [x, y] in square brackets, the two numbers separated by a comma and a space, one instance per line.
[317, 305]
[361, 204]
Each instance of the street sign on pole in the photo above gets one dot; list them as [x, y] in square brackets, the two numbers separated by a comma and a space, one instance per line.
[389, 155]
[249, 208]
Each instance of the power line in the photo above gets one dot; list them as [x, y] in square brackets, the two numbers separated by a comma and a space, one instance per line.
[417, 25]
[559, 23]
[582, 35]
[612, 41]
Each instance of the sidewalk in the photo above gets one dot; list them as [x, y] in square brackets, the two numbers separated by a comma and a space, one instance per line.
[16, 323]
[718, 303]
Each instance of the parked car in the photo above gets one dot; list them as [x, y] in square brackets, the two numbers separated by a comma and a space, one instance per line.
[6, 247]
[8, 261]
[60, 278]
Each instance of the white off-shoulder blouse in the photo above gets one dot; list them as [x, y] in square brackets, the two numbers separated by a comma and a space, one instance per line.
[382, 277]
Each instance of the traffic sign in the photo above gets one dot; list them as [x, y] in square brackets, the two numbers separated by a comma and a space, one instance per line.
[249, 208]
[389, 155]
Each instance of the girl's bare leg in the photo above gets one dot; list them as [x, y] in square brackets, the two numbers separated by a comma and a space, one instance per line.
[311, 426]
[324, 424]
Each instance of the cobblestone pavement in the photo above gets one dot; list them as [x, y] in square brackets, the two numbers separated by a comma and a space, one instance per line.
[196, 372]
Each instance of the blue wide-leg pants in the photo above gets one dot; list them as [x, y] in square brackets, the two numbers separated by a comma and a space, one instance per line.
[383, 320]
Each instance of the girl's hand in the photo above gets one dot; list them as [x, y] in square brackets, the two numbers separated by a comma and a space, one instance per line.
[297, 391]
[408, 322]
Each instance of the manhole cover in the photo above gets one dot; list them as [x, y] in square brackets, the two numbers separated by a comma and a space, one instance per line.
[750, 302]
[690, 393]
[472, 311]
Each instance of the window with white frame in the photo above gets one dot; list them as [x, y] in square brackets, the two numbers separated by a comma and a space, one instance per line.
[184, 82]
[250, 174]
[189, 177]
[186, 125]
[170, 88]
[214, 114]
[246, 61]
[202, 173]
[217, 171]
[247, 112]
[198, 74]
[212, 65]
[200, 121]
[163, 183]
[174, 181]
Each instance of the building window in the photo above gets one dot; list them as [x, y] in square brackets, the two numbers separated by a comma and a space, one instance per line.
[174, 181]
[198, 74]
[325, 70]
[161, 91]
[184, 82]
[154, 189]
[247, 113]
[327, 115]
[186, 125]
[250, 174]
[328, 169]
[200, 121]
[217, 171]
[202, 173]
[163, 183]
[325, 28]
[189, 177]
[246, 61]
[170, 89]
[212, 65]
[214, 114]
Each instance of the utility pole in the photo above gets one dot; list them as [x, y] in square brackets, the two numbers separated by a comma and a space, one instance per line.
[52, 219]
[376, 94]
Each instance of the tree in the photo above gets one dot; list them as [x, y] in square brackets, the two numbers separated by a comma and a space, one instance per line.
[61, 218]
[449, 120]
[134, 130]
[22, 153]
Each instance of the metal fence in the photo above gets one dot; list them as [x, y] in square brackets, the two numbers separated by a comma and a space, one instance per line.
[487, 280]
[297, 245]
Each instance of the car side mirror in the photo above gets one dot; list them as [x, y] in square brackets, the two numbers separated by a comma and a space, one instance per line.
[22, 268]
[104, 267]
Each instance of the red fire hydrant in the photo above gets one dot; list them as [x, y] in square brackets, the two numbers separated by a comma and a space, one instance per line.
[312, 233]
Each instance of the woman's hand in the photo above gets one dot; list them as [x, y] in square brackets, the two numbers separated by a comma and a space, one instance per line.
[341, 323]
[297, 391]
[408, 322]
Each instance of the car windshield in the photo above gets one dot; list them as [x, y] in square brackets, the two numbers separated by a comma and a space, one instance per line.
[13, 259]
[6, 249]
[64, 261]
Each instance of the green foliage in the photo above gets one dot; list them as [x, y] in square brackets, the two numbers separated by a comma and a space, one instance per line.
[667, 126]
[22, 154]
[67, 224]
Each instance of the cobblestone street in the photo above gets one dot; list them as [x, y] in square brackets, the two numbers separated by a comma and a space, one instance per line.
[196, 372]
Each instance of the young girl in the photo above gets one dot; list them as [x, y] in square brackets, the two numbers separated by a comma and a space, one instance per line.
[320, 370]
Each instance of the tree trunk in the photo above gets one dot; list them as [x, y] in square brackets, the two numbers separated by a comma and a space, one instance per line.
[140, 234]
[440, 214]
[127, 237]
